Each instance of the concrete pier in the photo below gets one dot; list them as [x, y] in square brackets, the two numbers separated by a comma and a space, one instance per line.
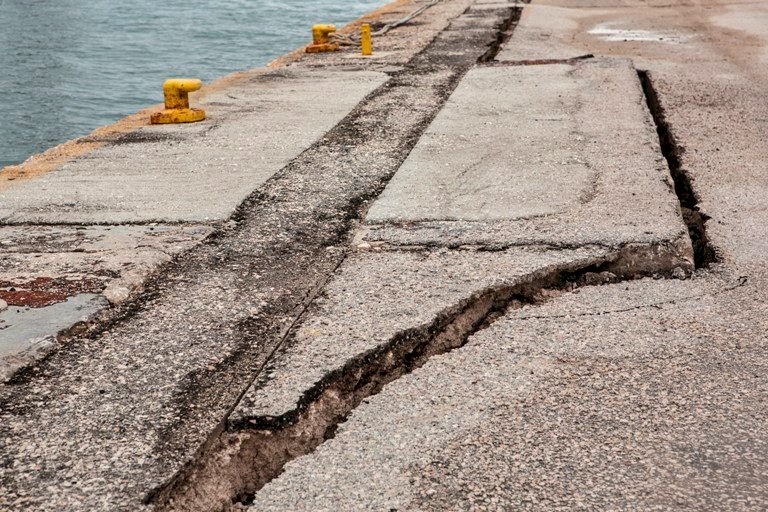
[513, 260]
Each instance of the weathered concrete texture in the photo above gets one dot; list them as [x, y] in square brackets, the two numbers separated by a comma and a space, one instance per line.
[563, 155]
[708, 64]
[48, 274]
[645, 395]
[640, 395]
[199, 172]
[377, 295]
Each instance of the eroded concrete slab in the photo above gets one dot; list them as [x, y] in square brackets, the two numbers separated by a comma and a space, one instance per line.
[199, 172]
[54, 277]
[27, 332]
[563, 154]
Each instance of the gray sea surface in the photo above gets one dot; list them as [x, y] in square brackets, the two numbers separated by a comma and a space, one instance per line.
[69, 66]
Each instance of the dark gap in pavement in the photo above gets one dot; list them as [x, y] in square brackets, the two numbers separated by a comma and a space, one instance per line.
[703, 252]
[538, 62]
[309, 207]
[503, 35]
[254, 452]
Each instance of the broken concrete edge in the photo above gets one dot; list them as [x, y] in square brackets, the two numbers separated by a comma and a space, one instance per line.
[247, 451]
[672, 259]
[537, 62]
[491, 237]
[121, 299]
[122, 291]
[694, 217]
[51, 159]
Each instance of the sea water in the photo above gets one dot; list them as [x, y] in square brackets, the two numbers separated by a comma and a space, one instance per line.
[69, 66]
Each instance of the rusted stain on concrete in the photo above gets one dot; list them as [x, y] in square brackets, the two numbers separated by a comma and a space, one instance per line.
[46, 291]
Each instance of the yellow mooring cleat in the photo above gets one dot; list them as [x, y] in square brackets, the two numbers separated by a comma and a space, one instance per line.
[176, 91]
[320, 39]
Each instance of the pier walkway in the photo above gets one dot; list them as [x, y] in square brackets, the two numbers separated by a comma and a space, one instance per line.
[514, 260]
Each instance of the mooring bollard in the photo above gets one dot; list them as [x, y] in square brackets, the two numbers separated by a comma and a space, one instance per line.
[320, 39]
[365, 39]
[176, 91]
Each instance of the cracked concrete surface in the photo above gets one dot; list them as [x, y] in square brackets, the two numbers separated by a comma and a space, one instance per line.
[560, 155]
[563, 406]
[607, 392]
[378, 293]
[643, 395]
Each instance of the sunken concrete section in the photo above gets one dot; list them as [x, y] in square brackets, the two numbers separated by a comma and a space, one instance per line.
[198, 172]
[409, 296]
[520, 144]
[560, 155]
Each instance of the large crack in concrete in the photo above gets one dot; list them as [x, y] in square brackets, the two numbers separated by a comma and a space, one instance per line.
[255, 450]
[438, 67]
[703, 252]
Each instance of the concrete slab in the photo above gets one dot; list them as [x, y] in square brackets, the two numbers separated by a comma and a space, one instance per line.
[541, 34]
[562, 154]
[472, 164]
[559, 30]
[392, 293]
[199, 172]
[605, 399]
[711, 102]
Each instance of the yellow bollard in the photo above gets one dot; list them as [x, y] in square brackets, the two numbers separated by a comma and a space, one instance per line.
[365, 39]
[176, 91]
[320, 39]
